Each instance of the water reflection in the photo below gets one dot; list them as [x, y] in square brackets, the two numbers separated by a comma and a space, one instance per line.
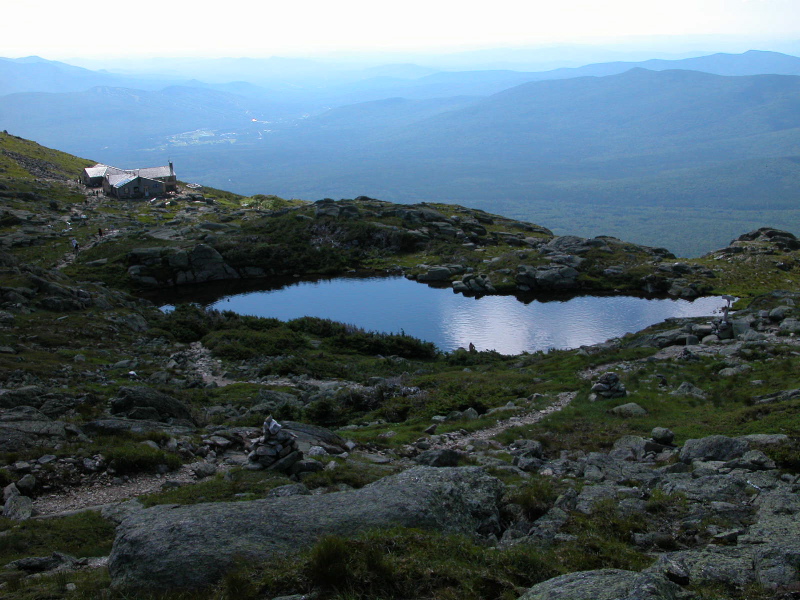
[501, 323]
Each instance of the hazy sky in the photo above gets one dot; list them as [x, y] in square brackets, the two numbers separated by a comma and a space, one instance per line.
[59, 29]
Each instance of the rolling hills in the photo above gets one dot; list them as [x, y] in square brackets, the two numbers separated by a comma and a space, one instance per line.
[696, 154]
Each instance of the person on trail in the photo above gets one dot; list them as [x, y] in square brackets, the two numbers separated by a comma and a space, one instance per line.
[74, 243]
[100, 232]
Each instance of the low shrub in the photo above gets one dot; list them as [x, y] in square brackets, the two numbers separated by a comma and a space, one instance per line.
[352, 474]
[660, 502]
[337, 564]
[603, 540]
[84, 534]
[326, 412]
[535, 497]
[187, 323]
[135, 458]
[387, 344]
[239, 344]
[318, 326]
[786, 456]
[5, 478]
[235, 485]
[407, 563]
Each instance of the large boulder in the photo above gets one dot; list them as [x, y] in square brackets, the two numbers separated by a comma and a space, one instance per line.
[572, 244]
[207, 265]
[193, 546]
[606, 584]
[313, 435]
[439, 458]
[554, 277]
[713, 447]
[146, 403]
[123, 426]
[30, 395]
[157, 266]
[18, 508]
[435, 274]
[23, 427]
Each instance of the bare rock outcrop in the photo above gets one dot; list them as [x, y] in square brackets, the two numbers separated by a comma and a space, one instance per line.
[606, 584]
[171, 546]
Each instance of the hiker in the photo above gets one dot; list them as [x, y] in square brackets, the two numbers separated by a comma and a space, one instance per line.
[99, 232]
[74, 243]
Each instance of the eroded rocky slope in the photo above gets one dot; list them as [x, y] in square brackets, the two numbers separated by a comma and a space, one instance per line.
[660, 465]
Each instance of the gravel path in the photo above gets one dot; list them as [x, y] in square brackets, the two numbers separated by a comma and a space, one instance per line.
[105, 491]
[206, 366]
[455, 440]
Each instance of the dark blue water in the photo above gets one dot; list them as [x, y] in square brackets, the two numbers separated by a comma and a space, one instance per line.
[501, 323]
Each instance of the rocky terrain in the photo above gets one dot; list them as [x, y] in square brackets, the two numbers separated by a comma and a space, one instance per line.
[150, 454]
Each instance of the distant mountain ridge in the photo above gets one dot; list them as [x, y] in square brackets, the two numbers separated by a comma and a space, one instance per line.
[670, 139]
[35, 74]
[534, 138]
[301, 76]
[752, 62]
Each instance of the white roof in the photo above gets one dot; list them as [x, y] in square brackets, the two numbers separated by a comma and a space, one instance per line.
[120, 179]
[155, 172]
[96, 171]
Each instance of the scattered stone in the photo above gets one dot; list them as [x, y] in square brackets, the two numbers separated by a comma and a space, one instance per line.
[292, 489]
[142, 402]
[9, 491]
[317, 451]
[18, 508]
[26, 484]
[40, 564]
[276, 448]
[734, 371]
[752, 460]
[631, 409]
[470, 414]
[203, 469]
[662, 435]
[688, 389]
[609, 386]
[438, 458]
[715, 447]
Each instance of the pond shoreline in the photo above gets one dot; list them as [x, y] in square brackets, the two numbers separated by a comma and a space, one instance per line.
[206, 294]
[506, 323]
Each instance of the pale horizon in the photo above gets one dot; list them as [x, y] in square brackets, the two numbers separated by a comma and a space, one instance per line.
[58, 31]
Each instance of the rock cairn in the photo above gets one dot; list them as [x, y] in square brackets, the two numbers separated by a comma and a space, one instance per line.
[276, 449]
[608, 386]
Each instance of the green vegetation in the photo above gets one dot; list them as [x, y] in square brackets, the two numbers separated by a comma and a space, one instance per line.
[603, 540]
[58, 163]
[84, 534]
[232, 486]
[133, 458]
[71, 339]
[535, 496]
[404, 564]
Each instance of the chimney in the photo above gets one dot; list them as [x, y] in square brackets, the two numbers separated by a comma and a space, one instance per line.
[171, 170]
